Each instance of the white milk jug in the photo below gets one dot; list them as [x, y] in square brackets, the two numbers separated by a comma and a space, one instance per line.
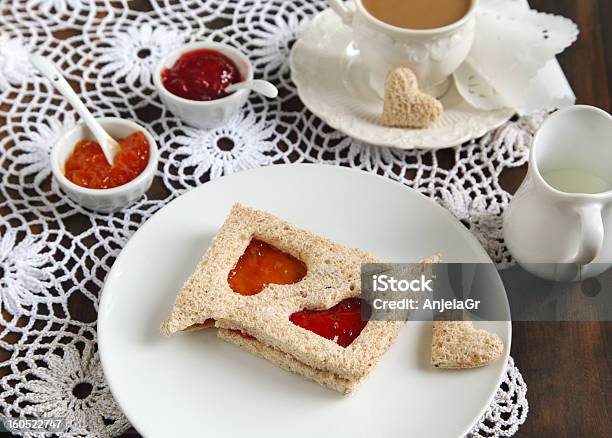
[559, 224]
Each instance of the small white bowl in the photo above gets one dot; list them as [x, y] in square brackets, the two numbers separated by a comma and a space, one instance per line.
[105, 200]
[204, 114]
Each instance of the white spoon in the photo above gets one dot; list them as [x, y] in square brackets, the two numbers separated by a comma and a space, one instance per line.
[262, 87]
[109, 145]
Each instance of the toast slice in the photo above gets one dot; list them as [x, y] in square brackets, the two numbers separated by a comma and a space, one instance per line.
[332, 275]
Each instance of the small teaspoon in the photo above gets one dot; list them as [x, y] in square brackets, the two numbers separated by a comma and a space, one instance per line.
[109, 145]
[260, 86]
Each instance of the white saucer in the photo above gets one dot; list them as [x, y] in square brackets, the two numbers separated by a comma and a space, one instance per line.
[193, 384]
[333, 84]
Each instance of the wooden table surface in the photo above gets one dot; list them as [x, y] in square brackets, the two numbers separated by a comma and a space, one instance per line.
[566, 365]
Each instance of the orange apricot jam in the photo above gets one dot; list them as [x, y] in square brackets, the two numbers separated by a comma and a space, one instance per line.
[87, 166]
[263, 264]
[341, 323]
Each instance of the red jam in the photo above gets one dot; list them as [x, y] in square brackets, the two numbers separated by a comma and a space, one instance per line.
[201, 75]
[262, 264]
[87, 166]
[243, 335]
[200, 326]
[341, 323]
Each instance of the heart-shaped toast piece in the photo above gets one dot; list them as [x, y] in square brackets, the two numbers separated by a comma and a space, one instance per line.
[341, 323]
[458, 344]
[405, 105]
[263, 264]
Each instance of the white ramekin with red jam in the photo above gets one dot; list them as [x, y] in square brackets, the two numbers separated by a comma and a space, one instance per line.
[191, 81]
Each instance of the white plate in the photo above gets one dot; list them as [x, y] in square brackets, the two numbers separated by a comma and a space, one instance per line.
[196, 384]
[333, 84]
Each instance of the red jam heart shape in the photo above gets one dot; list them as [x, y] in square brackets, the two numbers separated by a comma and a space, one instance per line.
[263, 264]
[341, 323]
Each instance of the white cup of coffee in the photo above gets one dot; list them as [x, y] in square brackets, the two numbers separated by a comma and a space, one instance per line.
[432, 37]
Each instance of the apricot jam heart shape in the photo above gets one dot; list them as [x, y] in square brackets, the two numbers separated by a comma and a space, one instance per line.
[341, 323]
[262, 264]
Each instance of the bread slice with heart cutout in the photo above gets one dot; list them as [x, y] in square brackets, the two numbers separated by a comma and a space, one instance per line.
[406, 106]
[458, 344]
[284, 308]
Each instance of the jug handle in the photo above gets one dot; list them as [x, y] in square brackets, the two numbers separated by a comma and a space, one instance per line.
[343, 11]
[591, 233]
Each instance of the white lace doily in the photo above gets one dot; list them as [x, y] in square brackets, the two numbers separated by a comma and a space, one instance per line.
[512, 61]
[54, 255]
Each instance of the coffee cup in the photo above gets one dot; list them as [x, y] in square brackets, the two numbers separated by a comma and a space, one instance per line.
[432, 53]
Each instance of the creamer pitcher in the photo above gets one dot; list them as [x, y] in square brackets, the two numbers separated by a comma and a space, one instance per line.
[559, 224]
